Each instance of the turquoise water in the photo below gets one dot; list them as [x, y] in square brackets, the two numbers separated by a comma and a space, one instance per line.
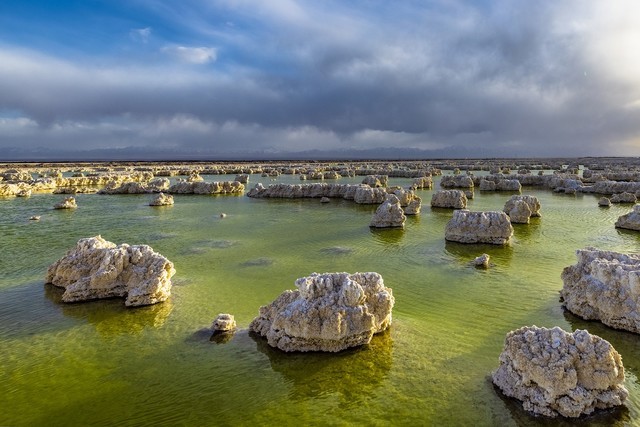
[100, 363]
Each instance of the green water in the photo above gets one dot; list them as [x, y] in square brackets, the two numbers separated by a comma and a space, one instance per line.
[100, 363]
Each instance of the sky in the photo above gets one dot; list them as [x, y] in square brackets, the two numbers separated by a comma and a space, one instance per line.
[245, 79]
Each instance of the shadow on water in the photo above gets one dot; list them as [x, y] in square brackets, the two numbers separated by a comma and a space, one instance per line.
[111, 317]
[501, 255]
[352, 374]
[387, 236]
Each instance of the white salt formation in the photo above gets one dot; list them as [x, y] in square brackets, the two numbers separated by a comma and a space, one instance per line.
[96, 268]
[479, 227]
[604, 202]
[631, 220]
[162, 200]
[521, 208]
[226, 187]
[224, 323]
[328, 312]
[388, 214]
[455, 199]
[67, 203]
[482, 261]
[557, 373]
[604, 286]
[623, 198]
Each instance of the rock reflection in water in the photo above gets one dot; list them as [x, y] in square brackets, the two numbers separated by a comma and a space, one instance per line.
[109, 316]
[387, 236]
[352, 374]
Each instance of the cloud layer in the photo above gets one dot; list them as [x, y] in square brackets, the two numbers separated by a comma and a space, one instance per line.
[471, 79]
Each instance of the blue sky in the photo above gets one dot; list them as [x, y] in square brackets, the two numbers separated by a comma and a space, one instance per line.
[243, 78]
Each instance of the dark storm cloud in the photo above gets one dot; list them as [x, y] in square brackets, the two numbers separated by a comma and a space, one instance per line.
[500, 79]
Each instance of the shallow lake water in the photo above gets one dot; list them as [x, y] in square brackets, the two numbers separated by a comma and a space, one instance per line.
[101, 363]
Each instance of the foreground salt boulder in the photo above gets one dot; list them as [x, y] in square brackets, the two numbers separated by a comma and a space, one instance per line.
[96, 268]
[328, 312]
[604, 286]
[631, 220]
[557, 373]
[479, 227]
[389, 214]
[455, 199]
[224, 323]
[624, 198]
[482, 261]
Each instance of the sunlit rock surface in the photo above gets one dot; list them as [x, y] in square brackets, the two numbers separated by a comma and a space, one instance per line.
[455, 199]
[456, 181]
[479, 227]
[67, 203]
[555, 373]
[631, 220]
[521, 208]
[328, 312]
[604, 286]
[389, 214]
[162, 199]
[226, 187]
[482, 261]
[96, 268]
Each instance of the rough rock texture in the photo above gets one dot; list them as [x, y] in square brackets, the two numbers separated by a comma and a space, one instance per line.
[604, 286]
[242, 178]
[557, 373]
[455, 199]
[376, 180]
[162, 200]
[224, 323]
[482, 261]
[479, 227]
[389, 214]
[414, 206]
[368, 196]
[508, 185]
[96, 268]
[328, 312]
[226, 187]
[623, 198]
[486, 185]
[456, 181]
[521, 208]
[129, 187]
[325, 200]
[422, 182]
[360, 193]
[604, 202]
[631, 220]
[68, 203]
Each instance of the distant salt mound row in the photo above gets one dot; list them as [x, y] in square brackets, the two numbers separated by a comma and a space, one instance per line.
[555, 373]
[96, 269]
[604, 286]
[328, 312]
[359, 193]
[226, 187]
[479, 227]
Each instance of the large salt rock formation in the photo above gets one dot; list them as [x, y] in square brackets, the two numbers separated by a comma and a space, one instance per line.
[388, 214]
[455, 199]
[557, 373]
[328, 312]
[631, 220]
[479, 227]
[624, 198]
[67, 203]
[456, 181]
[521, 208]
[162, 199]
[195, 187]
[96, 268]
[604, 286]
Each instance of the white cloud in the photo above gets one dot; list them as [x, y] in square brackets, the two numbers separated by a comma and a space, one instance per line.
[192, 55]
[141, 34]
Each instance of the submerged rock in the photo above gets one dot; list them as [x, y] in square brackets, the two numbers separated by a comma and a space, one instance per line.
[389, 214]
[631, 220]
[328, 312]
[479, 227]
[604, 286]
[162, 200]
[67, 203]
[96, 268]
[557, 373]
[482, 261]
